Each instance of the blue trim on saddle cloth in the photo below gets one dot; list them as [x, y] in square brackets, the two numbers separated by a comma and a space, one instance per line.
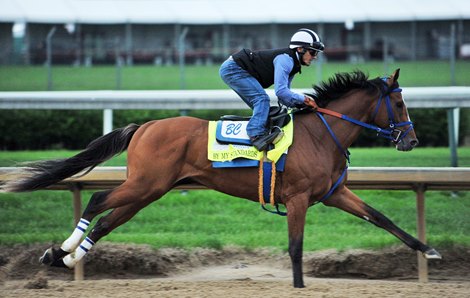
[236, 163]
[248, 163]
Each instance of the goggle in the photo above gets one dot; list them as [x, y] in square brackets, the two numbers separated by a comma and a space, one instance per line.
[313, 53]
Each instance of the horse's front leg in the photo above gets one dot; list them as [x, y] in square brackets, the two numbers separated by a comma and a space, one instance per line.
[346, 200]
[296, 213]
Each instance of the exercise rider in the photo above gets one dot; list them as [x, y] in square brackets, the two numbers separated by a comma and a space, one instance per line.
[248, 73]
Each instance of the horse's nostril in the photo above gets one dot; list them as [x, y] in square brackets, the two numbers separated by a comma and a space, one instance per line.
[414, 143]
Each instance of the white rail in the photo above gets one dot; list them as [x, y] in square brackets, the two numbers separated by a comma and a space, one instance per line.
[416, 97]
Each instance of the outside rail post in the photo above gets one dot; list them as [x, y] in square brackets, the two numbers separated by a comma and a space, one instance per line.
[79, 273]
[453, 118]
[421, 224]
[49, 56]
[107, 121]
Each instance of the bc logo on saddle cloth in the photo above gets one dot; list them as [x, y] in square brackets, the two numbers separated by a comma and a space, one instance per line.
[229, 147]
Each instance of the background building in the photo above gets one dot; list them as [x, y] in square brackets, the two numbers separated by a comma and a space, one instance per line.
[150, 31]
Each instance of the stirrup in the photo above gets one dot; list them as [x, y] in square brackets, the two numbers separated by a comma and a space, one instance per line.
[279, 135]
[262, 142]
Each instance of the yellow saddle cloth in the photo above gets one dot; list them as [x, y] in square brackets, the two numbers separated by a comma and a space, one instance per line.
[218, 152]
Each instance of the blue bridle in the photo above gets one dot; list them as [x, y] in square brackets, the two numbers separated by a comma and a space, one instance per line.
[391, 132]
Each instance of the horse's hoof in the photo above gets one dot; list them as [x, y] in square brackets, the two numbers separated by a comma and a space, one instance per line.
[52, 257]
[299, 284]
[59, 263]
[431, 254]
[48, 257]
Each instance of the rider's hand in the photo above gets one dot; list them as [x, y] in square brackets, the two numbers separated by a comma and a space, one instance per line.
[310, 102]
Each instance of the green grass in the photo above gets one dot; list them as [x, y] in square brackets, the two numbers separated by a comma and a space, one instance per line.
[211, 219]
[419, 157]
[23, 78]
[360, 157]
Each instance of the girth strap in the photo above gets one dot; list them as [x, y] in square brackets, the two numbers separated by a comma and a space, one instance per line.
[266, 186]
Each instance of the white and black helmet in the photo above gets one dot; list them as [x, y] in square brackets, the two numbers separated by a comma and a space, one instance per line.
[306, 38]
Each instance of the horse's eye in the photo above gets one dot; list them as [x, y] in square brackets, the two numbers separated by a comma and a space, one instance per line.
[399, 104]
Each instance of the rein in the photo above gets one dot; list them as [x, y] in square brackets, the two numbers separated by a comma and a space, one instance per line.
[391, 133]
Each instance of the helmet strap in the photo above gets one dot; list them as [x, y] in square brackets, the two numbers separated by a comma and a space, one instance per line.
[301, 56]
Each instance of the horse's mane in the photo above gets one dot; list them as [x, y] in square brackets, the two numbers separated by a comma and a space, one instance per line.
[341, 84]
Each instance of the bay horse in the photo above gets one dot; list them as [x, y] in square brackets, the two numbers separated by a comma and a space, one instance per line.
[165, 153]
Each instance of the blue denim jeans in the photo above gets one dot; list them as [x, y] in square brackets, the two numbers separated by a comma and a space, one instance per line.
[252, 93]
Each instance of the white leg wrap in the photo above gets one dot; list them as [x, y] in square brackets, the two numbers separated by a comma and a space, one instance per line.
[72, 242]
[71, 259]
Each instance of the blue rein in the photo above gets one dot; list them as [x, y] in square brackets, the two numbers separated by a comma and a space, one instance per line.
[345, 153]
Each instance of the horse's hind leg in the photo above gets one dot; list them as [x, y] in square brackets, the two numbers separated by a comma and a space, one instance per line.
[134, 196]
[103, 227]
[54, 256]
[346, 200]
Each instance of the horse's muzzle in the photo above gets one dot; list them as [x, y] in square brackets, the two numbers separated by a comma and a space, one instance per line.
[407, 144]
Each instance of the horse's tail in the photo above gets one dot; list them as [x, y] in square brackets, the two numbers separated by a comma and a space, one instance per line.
[38, 175]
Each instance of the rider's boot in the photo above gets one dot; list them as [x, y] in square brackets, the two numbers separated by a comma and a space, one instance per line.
[261, 142]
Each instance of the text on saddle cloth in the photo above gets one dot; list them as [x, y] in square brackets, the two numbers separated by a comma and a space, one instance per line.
[232, 132]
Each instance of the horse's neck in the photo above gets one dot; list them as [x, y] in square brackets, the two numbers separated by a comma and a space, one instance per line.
[356, 105]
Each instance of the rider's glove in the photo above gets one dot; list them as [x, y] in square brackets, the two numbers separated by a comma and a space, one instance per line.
[310, 102]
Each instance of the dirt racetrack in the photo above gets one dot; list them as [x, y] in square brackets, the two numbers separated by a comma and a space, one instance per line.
[139, 271]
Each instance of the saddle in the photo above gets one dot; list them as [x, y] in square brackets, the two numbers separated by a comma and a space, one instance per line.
[278, 117]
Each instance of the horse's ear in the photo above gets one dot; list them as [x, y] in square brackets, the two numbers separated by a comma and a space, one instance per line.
[395, 75]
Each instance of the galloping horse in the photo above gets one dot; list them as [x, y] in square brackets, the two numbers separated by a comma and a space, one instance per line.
[165, 153]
